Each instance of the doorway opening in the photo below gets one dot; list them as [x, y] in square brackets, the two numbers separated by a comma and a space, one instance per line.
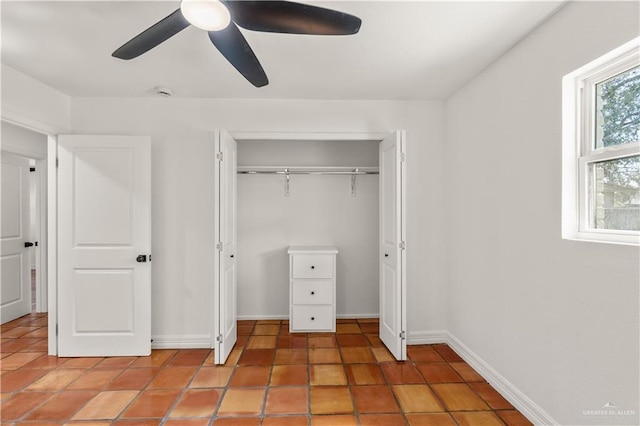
[24, 224]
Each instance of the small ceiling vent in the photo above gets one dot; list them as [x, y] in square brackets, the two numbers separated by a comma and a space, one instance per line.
[165, 92]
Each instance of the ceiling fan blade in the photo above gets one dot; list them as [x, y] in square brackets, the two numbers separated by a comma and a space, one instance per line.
[292, 18]
[233, 46]
[152, 36]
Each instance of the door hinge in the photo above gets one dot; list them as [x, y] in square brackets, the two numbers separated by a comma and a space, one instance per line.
[402, 245]
[219, 156]
[219, 246]
[402, 156]
[56, 329]
[403, 335]
[219, 338]
[57, 162]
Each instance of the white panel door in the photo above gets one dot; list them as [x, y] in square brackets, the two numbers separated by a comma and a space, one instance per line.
[15, 291]
[392, 245]
[225, 286]
[104, 229]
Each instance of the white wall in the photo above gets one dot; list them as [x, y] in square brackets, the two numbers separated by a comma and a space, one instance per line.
[182, 157]
[318, 211]
[21, 141]
[32, 104]
[558, 319]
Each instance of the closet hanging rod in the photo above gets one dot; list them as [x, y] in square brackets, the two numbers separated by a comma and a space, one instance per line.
[259, 172]
[309, 170]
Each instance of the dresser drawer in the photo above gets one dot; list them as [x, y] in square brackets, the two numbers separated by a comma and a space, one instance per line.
[312, 318]
[312, 292]
[312, 266]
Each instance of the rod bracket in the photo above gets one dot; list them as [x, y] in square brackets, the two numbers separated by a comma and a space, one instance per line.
[353, 182]
[287, 182]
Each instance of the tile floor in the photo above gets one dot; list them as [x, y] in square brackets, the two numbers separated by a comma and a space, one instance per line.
[272, 378]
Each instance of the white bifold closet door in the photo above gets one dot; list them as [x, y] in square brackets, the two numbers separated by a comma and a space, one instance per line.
[393, 294]
[104, 245]
[225, 283]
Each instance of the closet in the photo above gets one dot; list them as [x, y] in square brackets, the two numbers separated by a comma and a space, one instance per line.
[282, 190]
[298, 193]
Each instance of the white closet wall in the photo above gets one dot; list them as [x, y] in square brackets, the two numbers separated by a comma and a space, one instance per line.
[319, 211]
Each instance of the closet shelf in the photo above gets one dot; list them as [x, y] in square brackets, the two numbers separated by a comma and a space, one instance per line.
[307, 170]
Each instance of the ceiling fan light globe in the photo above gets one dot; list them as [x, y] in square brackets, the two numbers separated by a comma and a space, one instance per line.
[209, 15]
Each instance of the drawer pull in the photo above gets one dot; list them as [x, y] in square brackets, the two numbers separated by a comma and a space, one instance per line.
[313, 292]
[313, 267]
[313, 318]
[386, 255]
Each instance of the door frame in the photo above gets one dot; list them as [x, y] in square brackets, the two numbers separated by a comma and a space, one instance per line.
[242, 136]
[52, 243]
[41, 208]
[48, 218]
[41, 235]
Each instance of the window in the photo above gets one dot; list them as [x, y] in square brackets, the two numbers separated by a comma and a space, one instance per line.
[601, 149]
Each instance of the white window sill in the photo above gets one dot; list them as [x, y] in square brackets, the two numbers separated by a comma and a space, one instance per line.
[627, 239]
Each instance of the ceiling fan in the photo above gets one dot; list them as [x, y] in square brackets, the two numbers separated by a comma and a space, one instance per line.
[221, 18]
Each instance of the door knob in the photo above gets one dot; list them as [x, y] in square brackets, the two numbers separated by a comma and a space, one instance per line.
[231, 256]
[313, 292]
[313, 267]
[141, 258]
[386, 255]
[28, 244]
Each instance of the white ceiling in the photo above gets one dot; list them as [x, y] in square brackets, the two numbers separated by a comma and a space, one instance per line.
[404, 50]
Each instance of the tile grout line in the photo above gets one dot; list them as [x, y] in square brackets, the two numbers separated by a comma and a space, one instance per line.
[387, 383]
[309, 412]
[141, 390]
[226, 388]
[167, 414]
[441, 400]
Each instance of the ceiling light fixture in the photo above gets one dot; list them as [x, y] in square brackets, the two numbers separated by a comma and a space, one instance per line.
[285, 17]
[209, 15]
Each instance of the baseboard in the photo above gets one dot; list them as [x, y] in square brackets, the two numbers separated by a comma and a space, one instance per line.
[262, 317]
[357, 316]
[427, 337]
[519, 400]
[189, 341]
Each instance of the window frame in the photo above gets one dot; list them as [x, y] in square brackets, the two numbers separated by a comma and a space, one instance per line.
[579, 150]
